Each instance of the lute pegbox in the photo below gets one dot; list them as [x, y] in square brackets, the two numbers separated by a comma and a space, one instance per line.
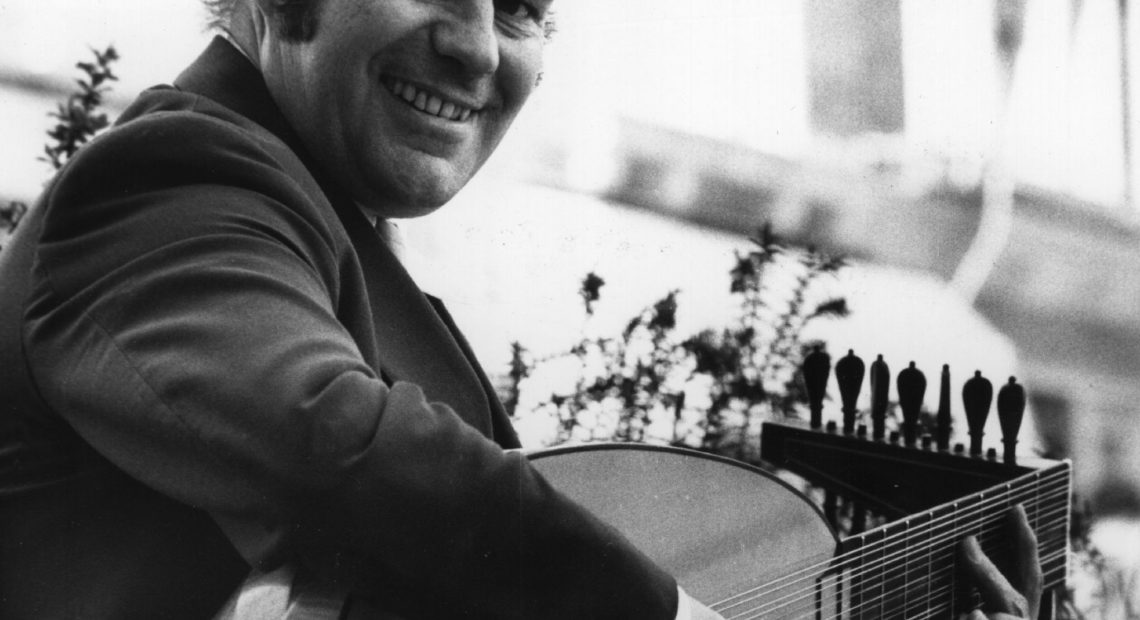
[912, 478]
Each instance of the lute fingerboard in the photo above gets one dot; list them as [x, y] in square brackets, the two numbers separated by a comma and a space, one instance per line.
[909, 568]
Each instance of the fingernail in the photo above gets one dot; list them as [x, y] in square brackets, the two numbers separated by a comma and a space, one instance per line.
[1018, 515]
[972, 547]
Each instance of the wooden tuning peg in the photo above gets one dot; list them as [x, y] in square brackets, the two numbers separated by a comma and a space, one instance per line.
[849, 375]
[911, 389]
[816, 369]
[1011, 410]
[943, 420]
[880, 388]
[977, 395]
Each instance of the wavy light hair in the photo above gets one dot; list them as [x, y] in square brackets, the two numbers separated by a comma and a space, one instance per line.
[297, 19]
[294, 19]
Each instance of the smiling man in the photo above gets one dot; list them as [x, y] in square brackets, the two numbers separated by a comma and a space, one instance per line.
[402, 101]
[214, 365]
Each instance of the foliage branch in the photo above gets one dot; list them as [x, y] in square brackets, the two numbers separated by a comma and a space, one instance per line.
[709, 391]
[79, 119]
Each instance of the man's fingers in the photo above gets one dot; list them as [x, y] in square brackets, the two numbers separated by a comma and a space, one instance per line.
[1027, 576]
[1021, 598]
[997, 593]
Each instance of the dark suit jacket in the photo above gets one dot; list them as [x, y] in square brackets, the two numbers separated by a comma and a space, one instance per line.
[209, 361]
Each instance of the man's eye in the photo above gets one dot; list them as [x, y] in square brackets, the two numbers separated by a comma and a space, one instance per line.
[518, 10]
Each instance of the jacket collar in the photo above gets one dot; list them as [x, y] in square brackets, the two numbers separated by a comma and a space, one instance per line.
[416, 340]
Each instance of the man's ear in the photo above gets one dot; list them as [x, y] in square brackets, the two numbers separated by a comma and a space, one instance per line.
[291, 20]
[249, 26]
[259, 13]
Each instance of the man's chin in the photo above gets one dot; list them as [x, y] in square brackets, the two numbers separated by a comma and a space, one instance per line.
[422, 185]
[405, 203]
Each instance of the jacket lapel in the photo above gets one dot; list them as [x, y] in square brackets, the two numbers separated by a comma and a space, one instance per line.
[414, 342]
[503, 431]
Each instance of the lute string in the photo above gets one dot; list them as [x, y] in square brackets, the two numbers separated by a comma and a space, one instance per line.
[943, 553]
[807, 607]
[854, 575]
[920, 590]
[937, 581]
[1013, 494]
[859, 555]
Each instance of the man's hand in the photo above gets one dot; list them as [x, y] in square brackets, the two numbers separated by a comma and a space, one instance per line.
[1002, 598]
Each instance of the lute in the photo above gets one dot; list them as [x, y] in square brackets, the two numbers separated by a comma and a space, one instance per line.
[750, 545]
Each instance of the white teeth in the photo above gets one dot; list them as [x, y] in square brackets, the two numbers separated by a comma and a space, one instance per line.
[429, 104]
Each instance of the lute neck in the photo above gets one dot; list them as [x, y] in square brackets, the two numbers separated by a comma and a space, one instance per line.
[909, 568]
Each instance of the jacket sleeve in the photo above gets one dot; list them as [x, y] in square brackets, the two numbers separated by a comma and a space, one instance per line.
[184, 322]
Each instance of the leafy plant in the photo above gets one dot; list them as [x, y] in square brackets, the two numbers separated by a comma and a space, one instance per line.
[79, 119]
[11, 215]
[709, 391]
[1099, 588]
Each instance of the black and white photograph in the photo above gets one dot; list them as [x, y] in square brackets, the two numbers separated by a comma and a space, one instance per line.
[569, 309]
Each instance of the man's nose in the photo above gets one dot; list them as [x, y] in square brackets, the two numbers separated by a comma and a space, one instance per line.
[468, 36]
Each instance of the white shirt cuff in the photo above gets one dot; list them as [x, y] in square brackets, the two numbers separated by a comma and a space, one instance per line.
[684, 605]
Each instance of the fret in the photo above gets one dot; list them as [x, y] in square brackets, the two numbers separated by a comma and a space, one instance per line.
[918, 568]
[941, 582]
[1034, 512]
[994, 540]
[954, 595]
[852, 585]
[962, 598]
[893, 572]
[829, 595]
[874, 577]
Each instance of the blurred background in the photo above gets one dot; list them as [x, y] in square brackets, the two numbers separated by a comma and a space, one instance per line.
[974, 158]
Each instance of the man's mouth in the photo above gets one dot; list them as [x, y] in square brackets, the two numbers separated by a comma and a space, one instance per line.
[429, 103]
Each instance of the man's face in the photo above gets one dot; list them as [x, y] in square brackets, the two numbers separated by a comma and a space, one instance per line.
[403, 100]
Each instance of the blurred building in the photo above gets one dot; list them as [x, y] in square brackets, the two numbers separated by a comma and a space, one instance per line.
[982, 148]
[984, 144]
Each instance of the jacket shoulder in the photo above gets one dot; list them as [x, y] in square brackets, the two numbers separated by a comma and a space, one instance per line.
[172, 139]
[177, 167]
